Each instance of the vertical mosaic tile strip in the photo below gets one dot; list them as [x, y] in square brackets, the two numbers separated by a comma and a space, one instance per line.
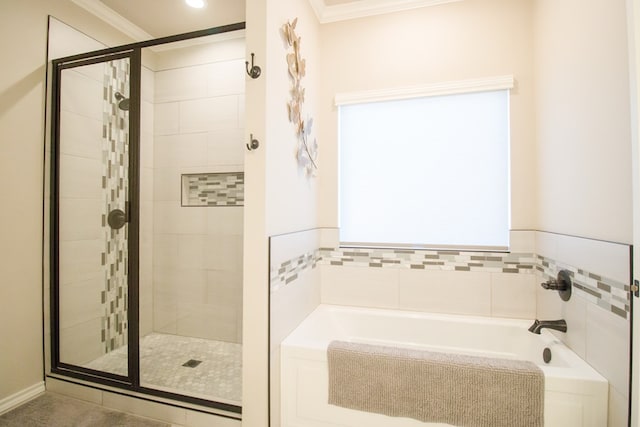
[609, 294]
[213, 189]
[288, 271]
[115, 186]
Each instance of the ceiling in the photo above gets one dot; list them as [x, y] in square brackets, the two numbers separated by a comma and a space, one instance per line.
[149, 19]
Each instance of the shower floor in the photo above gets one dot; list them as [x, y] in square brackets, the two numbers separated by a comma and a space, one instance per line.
[217, 377]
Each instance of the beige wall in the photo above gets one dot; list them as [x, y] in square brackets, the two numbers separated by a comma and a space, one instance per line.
[275, 185]
[23, 42]
[582, 118]
[456, 41]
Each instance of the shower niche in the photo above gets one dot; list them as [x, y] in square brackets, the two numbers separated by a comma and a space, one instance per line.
[146, 217]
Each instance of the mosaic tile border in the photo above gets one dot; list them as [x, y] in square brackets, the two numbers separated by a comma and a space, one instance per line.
[608, 294]
[213, 189]
[493, 262]
[289, 271]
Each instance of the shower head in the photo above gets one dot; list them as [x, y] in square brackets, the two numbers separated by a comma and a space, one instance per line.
[123, 103]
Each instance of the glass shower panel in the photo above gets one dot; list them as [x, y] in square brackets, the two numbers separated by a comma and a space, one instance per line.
[93, 192]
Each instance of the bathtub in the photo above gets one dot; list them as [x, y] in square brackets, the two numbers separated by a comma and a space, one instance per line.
[575, 394]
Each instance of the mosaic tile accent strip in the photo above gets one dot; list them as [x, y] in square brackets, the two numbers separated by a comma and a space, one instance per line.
[115, 190]
[213, 189]
[288, 271]
[218, 376]
[609, 294]
[492, 262]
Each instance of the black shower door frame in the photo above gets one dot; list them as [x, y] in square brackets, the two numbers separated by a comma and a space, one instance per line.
[131, 381]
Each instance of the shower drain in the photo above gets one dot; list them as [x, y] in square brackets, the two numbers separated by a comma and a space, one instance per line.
[192, 363]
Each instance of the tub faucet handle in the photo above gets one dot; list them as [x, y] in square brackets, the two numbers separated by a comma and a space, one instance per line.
[562, 284]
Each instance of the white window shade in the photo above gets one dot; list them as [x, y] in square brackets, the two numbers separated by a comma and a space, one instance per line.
[426, 172]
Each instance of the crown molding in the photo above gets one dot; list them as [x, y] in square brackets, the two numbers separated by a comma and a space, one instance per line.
[363, 8]
[114, 19]
[433, 89]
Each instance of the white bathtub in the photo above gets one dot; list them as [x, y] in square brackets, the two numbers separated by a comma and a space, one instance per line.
[575, 394]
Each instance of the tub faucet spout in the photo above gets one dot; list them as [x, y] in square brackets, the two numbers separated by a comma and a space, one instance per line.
[558, 325]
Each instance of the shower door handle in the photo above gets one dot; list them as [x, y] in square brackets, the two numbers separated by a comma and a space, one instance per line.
[117, 219]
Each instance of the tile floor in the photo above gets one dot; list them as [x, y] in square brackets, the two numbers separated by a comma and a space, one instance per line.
[54, 410]
[217, 377]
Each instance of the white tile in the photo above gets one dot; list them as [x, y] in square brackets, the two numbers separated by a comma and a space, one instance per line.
[607, 346]
[611, 260]
[513, 295]
[207, 322]
[80, 260]
[574, 312]
[291, 304]
[522, 241]
[241, 111]
[81, 95]
[547, 244]
[80, 302]
[167, 185]
[145, 408]
[191, 251]
[458, 292]
[226, 78]
[80, 136]
[80, 177]
[80, 343]
[147, 85]
[146, 185]
[80, 219]
[189, 286]
[200, 419]
[224, 288]
[290, 246]
[223, 253]
[329, 237]
[171, 218]
[226, 221]
[226, 147]
[147, 111]
[77, 391]
[93, 71]
[165, 251]
[146, 150]
[166, 118]
[549, 304]
[618, 409]
[359, 286]
[208, 114]
[191, 150]
[165, 312]
[180, 84]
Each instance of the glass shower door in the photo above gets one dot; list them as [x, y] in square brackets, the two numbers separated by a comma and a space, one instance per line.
[95, 245]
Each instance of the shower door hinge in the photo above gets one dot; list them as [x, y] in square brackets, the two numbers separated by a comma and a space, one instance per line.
[635, 287]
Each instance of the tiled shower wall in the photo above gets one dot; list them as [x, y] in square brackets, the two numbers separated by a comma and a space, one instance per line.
[93, 181]
[486, 284]
[81, 207]
[197, 250]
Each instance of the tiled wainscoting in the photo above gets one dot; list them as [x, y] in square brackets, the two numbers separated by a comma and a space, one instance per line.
[474, 283]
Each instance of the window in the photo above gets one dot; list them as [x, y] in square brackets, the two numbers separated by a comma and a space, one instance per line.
[426, 172]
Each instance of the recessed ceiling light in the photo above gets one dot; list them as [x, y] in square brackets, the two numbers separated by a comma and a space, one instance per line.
[198, 4]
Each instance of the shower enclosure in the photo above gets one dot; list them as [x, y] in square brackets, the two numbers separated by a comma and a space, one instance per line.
[146, 222]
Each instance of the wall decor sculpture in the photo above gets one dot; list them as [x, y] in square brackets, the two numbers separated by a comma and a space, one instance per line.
[306, 152]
